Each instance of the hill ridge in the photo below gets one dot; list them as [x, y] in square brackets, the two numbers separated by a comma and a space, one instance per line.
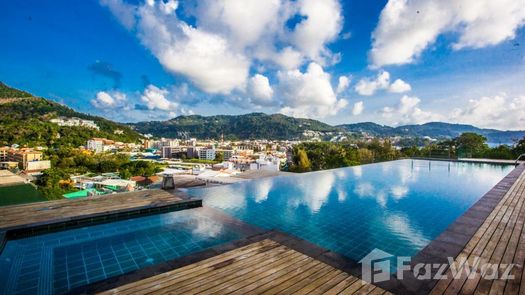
[25, 121]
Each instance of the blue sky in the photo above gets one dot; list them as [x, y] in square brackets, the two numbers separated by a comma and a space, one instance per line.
[392, 62]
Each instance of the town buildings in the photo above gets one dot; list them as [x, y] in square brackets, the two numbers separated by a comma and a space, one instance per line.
[64, 121]
[26, 159]
[207, 154]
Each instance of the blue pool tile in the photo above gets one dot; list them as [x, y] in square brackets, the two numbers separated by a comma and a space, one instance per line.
[95, 253]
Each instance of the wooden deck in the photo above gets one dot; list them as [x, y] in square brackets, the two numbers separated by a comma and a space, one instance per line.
[489, 161]
[63, 210]
[499, 240]
[264, 267]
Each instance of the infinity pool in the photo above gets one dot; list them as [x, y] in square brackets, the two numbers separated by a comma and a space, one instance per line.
[58, 262]
[398, 207]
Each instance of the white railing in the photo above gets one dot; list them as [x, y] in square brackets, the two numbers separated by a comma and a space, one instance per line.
[519, 157]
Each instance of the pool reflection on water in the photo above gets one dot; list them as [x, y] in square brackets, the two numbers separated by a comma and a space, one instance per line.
[398, 206]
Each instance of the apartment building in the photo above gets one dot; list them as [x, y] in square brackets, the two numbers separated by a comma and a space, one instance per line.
[29, 160]
[4, 154]
[207, 154]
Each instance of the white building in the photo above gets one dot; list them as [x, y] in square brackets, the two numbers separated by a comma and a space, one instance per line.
[270, 163]
[64, 121]
[198, 169]
[226, 153]
[207, 154]
[96, 145]
[169, 151]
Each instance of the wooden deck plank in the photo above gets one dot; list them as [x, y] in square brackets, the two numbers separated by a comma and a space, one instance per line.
[500, 239]
[239, 273]
[343, 285]
[273, 275]
[174, 277]
[308, 281]
[251, 279]
[477, 244]
[264, 267]
[286, 275]
[495, 249]
[328, 285]
[506, 249]
[318, 282]
[42, 212]
[359, 288]
[240, 253]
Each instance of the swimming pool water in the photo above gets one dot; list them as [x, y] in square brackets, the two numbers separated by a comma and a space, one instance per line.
[398, 207]
[58, 262]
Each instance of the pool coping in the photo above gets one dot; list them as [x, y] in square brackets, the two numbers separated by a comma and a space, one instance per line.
[60, 224]
[448, 244]
[252, 234]
[455, 237]
[469, 160]
[309, 249]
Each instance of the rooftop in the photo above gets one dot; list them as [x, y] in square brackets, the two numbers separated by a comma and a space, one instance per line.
[274, 262]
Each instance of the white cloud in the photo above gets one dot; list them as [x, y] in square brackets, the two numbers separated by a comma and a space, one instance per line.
[399, 86]
[407, 28]
[229, 39]
[244, 23]
[493, 112]
[344, 82]
[155, 99]
[288, 58]
[204, 58]
[124, 13]
[109, 100]
[322, 25]
[260, 89]
[308, 94]
[169, 6]
[408, 112]
[369, 86]
[358, 108]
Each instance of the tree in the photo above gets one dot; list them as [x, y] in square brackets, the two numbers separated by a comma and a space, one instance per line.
[500, 152]
[471, 144]
[365, 156]
[519, 149]
[302, 163]
[219, 157]
[125, 174]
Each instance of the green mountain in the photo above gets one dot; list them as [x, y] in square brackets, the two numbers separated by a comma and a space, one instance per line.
[248, 126]
[8, 92]
[437, 130]
[369, 128]
[24, 120]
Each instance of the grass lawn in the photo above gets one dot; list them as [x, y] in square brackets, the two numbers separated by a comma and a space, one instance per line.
[19, 194]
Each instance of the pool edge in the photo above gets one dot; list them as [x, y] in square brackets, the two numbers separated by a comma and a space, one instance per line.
[60, 224]
[455, 237]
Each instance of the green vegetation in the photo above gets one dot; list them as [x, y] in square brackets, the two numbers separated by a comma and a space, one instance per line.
[8, 92]
[19, 194]
[301, 161]
[467, 145]
[201, 161]
[55, 181]
[437, 130]
[25, 121]
[249, 126]
[314, 156]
